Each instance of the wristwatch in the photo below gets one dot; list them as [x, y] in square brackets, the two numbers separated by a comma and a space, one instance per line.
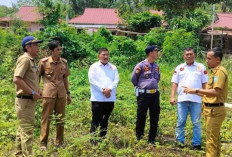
[32, 93]
[197, 90]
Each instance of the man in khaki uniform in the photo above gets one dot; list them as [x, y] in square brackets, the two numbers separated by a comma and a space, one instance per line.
[214, 97]
[54, 71]
[27, 92]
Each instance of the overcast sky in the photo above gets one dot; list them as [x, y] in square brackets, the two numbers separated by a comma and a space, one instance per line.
[7, 2]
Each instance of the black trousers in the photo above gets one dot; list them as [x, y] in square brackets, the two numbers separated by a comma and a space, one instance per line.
[100, 115]
[145, 102]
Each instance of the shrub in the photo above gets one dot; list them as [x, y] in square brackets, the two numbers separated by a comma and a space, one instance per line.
[155, 37]
[74, 46]
[175, 42]
[142, 22]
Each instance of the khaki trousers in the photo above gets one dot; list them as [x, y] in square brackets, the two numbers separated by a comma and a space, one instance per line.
[58, 106]
[214, 117]
[25, 110]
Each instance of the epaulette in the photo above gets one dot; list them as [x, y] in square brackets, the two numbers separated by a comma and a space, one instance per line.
[64, 60]
[44, 59]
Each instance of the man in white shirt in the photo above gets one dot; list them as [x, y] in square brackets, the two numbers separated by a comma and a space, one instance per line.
[103, 78]
[194, 75]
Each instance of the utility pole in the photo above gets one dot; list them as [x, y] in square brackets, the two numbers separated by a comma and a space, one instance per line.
[67, 8]
[212, 26]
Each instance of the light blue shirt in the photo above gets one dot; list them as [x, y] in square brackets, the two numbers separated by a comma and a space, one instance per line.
[103, 76]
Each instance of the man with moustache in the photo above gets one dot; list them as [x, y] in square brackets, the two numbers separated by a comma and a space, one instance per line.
[103, 79]
[192, 74]
[54, 72]
[27, 92]
[214, 97]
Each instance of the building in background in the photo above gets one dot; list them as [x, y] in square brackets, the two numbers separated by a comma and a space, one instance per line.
[28, 14]
[222, 34]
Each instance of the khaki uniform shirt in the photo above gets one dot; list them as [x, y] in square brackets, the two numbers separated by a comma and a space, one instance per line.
[218, 79]
[28, 71]
[53, 74]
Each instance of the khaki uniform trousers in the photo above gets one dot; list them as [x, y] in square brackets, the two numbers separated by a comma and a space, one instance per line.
[214, 116]
[25, 110]
[58, 106]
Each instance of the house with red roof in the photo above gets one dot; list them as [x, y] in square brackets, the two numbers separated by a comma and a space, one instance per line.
[28, 14]
[222, 33]
[94, 18]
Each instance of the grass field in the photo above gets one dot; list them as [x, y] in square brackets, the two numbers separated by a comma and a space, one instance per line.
[121, 139]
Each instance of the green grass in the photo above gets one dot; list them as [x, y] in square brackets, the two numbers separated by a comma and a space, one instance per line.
[120, 139]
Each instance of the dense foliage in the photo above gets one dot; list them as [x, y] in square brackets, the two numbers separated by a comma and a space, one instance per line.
[142, 22]
[193, 21]
[178, 4]
[80, 48]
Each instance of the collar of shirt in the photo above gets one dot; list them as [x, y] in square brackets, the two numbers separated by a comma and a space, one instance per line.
[29, 56]
[100, 64]
[214, 70]
[194, 63]
[51, 60]
[148, 63]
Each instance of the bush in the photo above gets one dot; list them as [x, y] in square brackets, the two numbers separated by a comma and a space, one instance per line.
[124, 51]
[192, 22]
[74, 45]
[142, 22]
[155, 37]
[101, 39]
[175, 42]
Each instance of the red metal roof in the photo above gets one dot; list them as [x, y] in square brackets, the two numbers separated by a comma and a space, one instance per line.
[27, 14]
[224, 21]
[98, 16]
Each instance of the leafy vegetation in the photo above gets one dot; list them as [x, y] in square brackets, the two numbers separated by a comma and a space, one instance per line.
[125, 53]
[142, 22]
[80, 49]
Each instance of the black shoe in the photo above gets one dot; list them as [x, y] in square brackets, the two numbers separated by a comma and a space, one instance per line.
[151, 142]
[196, 147]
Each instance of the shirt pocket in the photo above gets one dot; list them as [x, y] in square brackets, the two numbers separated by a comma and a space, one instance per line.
[62, 72]
[48, 73]
[196, 76]
[181, 76]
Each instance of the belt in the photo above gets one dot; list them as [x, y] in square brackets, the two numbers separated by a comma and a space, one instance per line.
[24, 97]
[214, 104]
[150, 91]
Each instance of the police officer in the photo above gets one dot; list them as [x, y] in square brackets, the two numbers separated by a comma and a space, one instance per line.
[214, 97]
[145, 78]
[27, 92]
[54, 71]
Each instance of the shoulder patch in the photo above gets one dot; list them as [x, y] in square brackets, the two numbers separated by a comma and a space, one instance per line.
[64, 60]
[44, 59]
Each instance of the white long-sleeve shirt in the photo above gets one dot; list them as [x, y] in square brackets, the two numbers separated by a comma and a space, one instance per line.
[103, 76]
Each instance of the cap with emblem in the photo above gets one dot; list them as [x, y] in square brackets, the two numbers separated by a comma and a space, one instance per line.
[151, 48]
[30, 40]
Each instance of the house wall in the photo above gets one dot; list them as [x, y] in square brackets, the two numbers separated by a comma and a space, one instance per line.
[32, 27]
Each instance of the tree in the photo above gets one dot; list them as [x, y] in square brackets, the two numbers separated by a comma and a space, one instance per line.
[226, 5]
[193, 21]
[51, 11]
[178, 5]
[5, 11]
[175, 42]
[142, 22]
